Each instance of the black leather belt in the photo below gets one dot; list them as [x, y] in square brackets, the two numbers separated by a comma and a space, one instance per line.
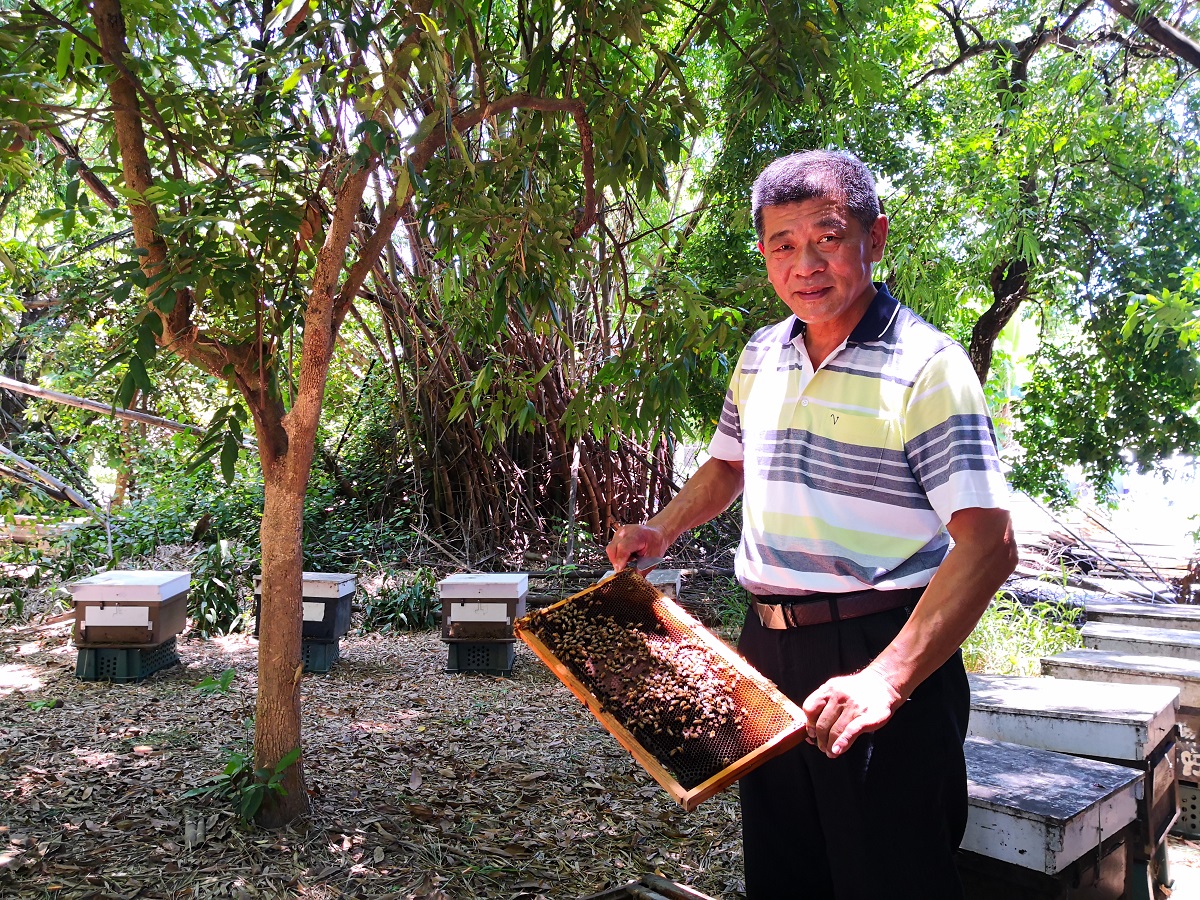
[776, 611]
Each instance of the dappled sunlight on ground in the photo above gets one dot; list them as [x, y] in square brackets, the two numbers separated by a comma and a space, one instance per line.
[423, 784]
[18, 678]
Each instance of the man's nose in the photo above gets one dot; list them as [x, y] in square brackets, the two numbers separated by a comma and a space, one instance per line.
[807, 262]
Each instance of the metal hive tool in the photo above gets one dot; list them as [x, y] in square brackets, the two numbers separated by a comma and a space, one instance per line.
[573, 637]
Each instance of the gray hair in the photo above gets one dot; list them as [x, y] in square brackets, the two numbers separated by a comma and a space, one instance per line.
[821, 174]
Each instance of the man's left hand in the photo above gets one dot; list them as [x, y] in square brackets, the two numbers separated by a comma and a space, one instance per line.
[843, 708]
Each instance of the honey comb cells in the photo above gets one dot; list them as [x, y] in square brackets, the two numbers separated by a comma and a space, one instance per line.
[647, 667]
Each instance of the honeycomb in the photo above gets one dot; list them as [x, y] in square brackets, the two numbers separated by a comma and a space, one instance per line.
[647, 667]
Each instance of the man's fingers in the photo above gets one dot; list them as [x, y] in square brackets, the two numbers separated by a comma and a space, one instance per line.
[835, 710]
[849, 733]
[814, 703]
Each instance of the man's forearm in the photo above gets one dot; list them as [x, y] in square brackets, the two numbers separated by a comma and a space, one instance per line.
[708, 493]
[984, 554]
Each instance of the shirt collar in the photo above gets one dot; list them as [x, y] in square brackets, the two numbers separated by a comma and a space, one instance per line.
[872, 326]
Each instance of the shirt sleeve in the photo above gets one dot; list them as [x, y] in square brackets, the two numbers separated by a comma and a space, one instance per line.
[726, 443]
[948, 437]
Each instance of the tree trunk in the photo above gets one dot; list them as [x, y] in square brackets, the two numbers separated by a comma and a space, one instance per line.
[277, 712]
[1010, 288]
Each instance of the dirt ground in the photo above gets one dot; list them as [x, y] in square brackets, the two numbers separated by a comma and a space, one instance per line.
[424, 786]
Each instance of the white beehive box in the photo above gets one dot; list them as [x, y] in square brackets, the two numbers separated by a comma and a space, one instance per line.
[1142, 641]
[482, 606]
[126, 608]
[1123, 668]
[1131, 724]
[1042, 810]
[487, 585]
[1085, 718]
[1150, 615]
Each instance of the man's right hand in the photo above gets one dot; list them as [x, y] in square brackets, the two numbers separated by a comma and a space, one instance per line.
[635, 540]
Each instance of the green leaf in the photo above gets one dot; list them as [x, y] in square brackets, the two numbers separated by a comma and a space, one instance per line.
[288, 759]
[289, 83]
[229, 455]
[64, 55]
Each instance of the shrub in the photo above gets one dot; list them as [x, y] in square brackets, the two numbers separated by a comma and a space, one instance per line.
[1011, 638]
[404, 602]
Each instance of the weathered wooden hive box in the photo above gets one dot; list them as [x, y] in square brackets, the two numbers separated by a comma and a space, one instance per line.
[1046, 825]
[1127, 724]
[131, 609]
[325, 597]
[691, 711]
[1148, 667]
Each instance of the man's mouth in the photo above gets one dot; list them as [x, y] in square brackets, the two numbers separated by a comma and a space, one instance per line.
[814, 293]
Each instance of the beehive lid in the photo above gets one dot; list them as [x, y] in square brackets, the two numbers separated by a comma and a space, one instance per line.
[320, 584]
[128, 585]
[1117, 721]
[491, 585]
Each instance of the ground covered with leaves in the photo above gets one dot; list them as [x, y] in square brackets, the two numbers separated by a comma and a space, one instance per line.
[424, 784]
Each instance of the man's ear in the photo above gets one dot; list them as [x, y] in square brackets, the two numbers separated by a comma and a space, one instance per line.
[879, 233]
[762, 249]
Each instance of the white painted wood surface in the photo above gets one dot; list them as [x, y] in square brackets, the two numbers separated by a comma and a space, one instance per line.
[320, 585]
[130, 586]
[1173, 642]
[1150, 615]
[1124, 668]
[1043, 810]
[479, 611]
[494, 585]
[1091, 718]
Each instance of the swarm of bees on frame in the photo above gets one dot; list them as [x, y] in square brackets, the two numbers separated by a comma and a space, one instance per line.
[670, 693]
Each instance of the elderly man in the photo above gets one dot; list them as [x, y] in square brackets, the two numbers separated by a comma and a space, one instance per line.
[874, 535]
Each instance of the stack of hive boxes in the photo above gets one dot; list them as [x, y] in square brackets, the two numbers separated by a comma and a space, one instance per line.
[326, 600]
[478, 611]
[126, 623]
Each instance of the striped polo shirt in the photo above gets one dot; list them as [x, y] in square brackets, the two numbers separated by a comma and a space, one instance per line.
[853, 470]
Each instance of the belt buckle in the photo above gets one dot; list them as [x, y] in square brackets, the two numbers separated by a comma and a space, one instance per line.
[770, 616]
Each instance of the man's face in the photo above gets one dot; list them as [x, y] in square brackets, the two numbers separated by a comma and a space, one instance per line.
[819, 261]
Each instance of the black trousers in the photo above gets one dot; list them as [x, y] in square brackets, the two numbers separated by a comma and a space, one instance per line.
[886, 817]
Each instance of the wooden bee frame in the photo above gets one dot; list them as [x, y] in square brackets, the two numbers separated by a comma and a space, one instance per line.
[759, 696]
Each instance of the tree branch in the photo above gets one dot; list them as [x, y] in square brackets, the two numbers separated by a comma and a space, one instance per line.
[118, 63]
[86, 175]
[1174, 40]
[472, 117]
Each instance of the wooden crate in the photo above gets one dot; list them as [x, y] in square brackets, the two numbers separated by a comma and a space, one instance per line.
[772, 723]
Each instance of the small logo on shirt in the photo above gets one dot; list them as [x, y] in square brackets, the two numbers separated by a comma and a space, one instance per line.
[834, 417]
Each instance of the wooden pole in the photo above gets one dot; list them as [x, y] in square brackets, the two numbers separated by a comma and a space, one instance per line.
[46, 478]
[132, 415]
